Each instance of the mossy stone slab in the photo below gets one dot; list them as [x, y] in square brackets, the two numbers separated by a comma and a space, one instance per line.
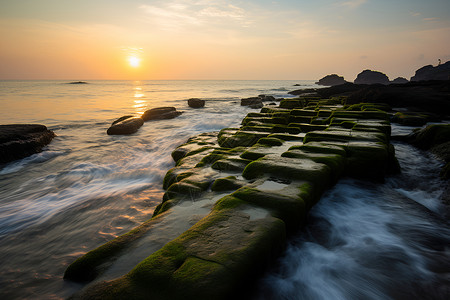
[291, 168]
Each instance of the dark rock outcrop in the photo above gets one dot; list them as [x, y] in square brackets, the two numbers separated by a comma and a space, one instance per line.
[267, 98]
[331, 80]
[400, 80]
[252, 101]
[424, 96]
[160, 113]
[78, 82]
[196, 103]
[441, 72]
[125, 125]
[371, 77]
[21, 140]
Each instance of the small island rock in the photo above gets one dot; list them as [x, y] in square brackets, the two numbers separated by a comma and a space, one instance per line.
[160, 113]
[331, 80]
[125, 125]
[196, 103]
[371, 77]
[21, 140]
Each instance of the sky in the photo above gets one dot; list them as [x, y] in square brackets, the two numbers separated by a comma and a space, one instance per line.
[220, 40]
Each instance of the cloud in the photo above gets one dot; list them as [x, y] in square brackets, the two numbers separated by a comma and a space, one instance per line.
[352, 4]
[363, 57]
[415, 14]
[430, 19]
[179, 14]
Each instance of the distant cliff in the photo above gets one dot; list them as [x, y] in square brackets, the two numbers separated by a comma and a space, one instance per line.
[441, 72]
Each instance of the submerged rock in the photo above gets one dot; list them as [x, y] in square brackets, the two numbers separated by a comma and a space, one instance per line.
[125, 125]
[331, 80]
[160, 113]
[196, 103]
[21, 140]
[78, 82]
[371, 77]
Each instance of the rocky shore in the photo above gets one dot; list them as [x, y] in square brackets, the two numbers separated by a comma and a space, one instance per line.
[258, 183]
[21, 140]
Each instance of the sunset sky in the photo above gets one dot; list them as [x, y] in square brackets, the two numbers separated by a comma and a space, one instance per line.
[188, 39]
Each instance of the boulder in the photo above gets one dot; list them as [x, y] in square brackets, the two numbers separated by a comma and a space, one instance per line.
[251, 101]
[400, 80]
[371, 77]
[160, 113]
[267, 98]
[196, 103]
[21, 140]
[125, 125]
[440, 72]
[331, 80]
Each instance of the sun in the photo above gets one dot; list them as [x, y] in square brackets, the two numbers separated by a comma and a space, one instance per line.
[134, 61]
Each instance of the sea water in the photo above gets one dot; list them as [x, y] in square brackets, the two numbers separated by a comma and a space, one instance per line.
[86, 187]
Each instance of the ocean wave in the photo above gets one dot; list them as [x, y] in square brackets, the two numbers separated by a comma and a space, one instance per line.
[15, 166]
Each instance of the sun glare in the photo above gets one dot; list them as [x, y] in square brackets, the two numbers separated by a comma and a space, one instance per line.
[134, 61]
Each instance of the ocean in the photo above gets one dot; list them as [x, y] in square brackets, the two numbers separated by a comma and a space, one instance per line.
[86, 188]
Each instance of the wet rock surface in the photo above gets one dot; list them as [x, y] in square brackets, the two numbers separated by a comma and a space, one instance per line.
[160, 113]
[196, 103]
[261, 179]
[125, 125]
[21, 140]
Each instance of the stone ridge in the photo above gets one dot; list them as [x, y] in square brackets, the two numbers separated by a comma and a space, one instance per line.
[267, 174]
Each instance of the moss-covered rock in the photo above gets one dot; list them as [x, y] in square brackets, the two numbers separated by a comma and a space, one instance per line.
[229, 183]
[231, 164]
[242, 138]
[289, 208]
[305, 127]
[336, 162]
[292, 103]
[212, 260]
[292, 168]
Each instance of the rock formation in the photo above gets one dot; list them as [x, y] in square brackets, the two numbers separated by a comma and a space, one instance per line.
[160, 113]
[125, 125]
[196, 103]
[331, 80]
[371, 77]
[441, 72]
[21, 140]
[400, 80]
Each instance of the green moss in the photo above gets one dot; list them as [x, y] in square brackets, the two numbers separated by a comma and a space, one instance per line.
[299, 119]
[89, 266]
[286, 137]
[303, 113]
[182, 190]
[367, 160]
[307, 127]
[270, 141]
[231, 164]
[228, 202]
[322, 147]
[226, 184]
[289, 209]
[433, 135]
[344, 136]
[242, 138]
[336, 162]
[291, 103]
[294, 169]
[163, 207]
[361, 115]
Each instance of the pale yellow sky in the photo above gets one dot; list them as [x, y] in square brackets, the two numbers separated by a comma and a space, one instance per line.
[188, 39]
